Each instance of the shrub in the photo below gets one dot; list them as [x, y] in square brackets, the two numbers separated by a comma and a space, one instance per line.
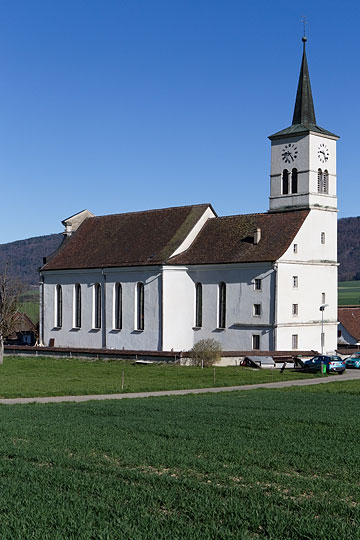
[205, 352]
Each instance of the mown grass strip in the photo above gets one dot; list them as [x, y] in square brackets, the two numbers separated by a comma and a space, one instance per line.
[41, 376]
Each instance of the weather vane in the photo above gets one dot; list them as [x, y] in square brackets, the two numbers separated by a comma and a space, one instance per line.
[304, 21]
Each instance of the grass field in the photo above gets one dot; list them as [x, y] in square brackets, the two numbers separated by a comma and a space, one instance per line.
[349, 293]
[40, 376]
[279, 465]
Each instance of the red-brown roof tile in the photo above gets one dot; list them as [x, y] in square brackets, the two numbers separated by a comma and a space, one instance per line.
[350, 319]
[231, 239]
[130, 239]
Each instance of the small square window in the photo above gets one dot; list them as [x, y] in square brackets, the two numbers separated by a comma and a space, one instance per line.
[256, 341]
[295, 341]
[323, 238]
[295, 309]
[257, 284]
[257, 310]
[295, 248]
[295, 281]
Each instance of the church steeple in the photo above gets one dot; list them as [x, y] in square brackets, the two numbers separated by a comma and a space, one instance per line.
[303, 157]
[304, 112]
[304, 120]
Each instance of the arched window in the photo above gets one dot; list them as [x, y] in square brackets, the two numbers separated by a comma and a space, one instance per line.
[319, 181]
[77, 306]
[97, 305]
[285, 182]
[198, 305]
[58, 306]
[294, 181]
[118, 307]
[140, 306]
[222, 305]
[325, 182]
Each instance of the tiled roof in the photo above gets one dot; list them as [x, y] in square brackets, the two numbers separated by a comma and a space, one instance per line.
[231, 239]
[130, 239]
[349, 317]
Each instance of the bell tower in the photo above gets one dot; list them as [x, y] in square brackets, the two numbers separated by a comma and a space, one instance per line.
[303, 157]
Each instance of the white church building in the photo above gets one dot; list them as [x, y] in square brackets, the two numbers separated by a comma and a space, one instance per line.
[161, 280]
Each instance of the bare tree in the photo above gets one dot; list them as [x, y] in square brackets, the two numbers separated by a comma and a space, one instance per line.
[10, 292]
[205, 353]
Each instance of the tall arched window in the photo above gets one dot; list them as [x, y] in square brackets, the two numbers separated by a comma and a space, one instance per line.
[77, 306]
[97, 305]
[58, 306]
[285, 182]
[222, 305]
[294, 181]
[118, 307]
[198, 305]
[140, 306]
[319, 181]
[326, 182]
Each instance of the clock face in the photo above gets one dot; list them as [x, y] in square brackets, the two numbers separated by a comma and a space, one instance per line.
[323, 153]
[289, 153]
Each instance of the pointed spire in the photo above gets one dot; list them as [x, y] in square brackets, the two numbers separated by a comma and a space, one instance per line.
[304, 112]
[304, 120]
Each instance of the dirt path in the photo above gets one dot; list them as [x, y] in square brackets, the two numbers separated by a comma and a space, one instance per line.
[349, 375]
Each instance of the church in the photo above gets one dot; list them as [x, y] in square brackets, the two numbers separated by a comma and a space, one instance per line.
[162, 280]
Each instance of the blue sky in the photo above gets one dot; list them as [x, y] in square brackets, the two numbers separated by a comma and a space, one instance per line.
[127, 105]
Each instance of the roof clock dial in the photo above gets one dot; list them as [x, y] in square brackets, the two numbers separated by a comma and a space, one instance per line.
[289, 153]
[323, 153]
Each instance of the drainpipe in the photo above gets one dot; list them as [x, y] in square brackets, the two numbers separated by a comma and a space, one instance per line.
[103, 309]
[161, 314]
[275, 267]
[41, 321]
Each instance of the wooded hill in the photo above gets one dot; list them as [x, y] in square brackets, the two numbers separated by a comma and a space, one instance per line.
[24, 257]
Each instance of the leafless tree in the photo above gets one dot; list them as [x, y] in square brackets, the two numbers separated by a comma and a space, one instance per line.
[10, 292]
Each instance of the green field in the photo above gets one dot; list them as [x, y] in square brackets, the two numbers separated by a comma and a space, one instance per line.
[242, 465]
[349, 293]
[40, 376]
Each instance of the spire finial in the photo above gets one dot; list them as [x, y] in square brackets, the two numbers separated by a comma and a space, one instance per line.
[304, 21]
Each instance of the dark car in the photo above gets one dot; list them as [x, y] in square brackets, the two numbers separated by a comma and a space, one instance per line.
[333, 364]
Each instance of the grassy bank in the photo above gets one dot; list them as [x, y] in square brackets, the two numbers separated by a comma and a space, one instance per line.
[250, 465]
[349, 293]
[38, 376]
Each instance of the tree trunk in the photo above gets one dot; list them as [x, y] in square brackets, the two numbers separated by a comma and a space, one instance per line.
[1, 350]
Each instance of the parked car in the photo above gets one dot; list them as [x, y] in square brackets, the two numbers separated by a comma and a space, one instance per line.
[334, 364]
[353, 361]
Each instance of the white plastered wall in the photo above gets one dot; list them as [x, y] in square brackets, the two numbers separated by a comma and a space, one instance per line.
[87, 336]
[179, 305]
[314, 264]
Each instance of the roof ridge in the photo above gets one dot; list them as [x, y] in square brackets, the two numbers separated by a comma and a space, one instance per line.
[155, 210]
[264, 213]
